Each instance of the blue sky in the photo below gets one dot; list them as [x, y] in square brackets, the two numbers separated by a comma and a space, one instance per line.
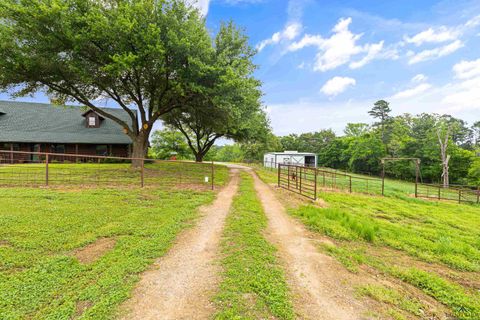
[324, 63]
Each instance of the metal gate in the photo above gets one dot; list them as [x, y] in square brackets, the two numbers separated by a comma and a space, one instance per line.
[299, 179]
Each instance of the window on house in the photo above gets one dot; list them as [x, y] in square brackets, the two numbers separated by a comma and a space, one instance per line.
[92, 121]
[102, 150]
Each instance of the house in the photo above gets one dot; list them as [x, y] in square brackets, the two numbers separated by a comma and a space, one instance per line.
[271, 159]
[37, 127]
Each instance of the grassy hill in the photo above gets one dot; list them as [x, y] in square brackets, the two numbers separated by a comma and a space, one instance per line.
[431, 246]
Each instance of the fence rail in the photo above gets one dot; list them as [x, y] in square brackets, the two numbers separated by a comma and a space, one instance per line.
[298, 179]
[452, 193]
[20, 168]
[308, 180]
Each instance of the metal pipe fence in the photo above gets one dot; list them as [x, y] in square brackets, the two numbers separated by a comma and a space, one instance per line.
[35, 169]
[307, 181]
[460, 194]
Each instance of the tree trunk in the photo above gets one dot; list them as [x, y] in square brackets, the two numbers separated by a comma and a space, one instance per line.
[199, 156]
[139, 150]
[445, 157]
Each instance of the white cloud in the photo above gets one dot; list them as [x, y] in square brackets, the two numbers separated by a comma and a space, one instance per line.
[306, 41]
[467, 69]
[337, 85]
[419, 78]
[434, 53]
[438, 35]
[290, 32]
[334, 51]
[293, 27]
[341, 47]
[421, 88]
[441, 34]
[464, 95]
[373, 50]
[472, 23]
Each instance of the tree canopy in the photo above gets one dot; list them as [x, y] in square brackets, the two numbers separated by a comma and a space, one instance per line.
[147, 56]
[228, 102]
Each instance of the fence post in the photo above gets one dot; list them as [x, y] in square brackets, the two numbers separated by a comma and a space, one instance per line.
[296, 177]
[46, 170]
[383, 177]
[142, 173]
[315, 187]
[478, 195]
[213, 176]
[288, 180]
[439, 193]
[459, 195]
[417, 171]
[278, 173]
[301, 179]
[350, 188]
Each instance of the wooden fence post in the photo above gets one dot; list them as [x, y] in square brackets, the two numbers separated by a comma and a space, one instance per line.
[213, 176]
[417, 171]
[46, 170]
[350, 188]
[383, 177]
[142, 169]
[459, 195]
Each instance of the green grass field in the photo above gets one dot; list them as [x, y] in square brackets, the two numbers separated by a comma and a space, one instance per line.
[42, 229]
[433, 246]
[253, 284]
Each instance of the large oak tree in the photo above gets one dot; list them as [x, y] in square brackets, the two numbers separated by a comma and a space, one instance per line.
[226, 103]
[145, 55]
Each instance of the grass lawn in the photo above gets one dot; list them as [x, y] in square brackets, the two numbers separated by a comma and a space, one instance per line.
[433, 246]
[254, 285]
[42, 231]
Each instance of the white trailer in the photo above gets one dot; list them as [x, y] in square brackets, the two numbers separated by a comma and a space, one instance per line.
[272, 159]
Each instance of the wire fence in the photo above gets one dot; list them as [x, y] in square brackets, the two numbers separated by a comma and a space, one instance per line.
[34, 169]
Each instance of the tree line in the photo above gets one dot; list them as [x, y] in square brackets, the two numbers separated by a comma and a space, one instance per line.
[362, 146]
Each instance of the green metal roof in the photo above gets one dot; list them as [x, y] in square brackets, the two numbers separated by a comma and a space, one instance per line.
[44, 123]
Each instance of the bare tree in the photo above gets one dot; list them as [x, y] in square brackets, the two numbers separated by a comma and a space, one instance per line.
[445, 157]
